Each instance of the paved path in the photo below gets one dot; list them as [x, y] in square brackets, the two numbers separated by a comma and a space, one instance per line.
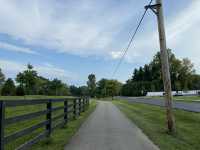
[108, 129]
[188, 106]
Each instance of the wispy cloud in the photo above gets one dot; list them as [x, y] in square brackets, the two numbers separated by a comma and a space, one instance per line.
[84, 28]
[99, 28]
[11, 47]
[182, 37]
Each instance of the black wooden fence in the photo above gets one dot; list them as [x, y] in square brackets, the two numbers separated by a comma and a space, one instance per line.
[71, 109]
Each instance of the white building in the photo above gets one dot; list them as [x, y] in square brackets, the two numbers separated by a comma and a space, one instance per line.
[184, 93]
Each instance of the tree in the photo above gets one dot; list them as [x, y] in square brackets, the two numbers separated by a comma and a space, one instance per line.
[8, 88]
[2, 78]
[43, 86]
[91, 83]
[149, 78]
[20, 91]
[56, 87]
[113, 88]
[101, 88]
[185, 73]
[74, 91]
[84, 91]
[28, 80]
[106, 88]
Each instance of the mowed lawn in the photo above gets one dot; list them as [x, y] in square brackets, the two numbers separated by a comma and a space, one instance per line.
[31, 97]
[151, 120]
[178, 98]
[59, 138]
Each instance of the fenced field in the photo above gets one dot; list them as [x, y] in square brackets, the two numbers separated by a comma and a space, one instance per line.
[25, 122]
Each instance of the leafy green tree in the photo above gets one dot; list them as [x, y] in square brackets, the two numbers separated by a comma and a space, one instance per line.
[28, 80]
[101, 90]
[106, 88]
[55, 87]
[113, 88]
[185, 73]
[8, 88]
[20, 91]
[2, 79]
[149, 77]
[42, 85]
[79, 91]
[84, 91]
[74, 91]
[91, 83]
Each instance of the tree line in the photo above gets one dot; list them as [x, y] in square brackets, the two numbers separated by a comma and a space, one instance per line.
[147, 78]
[29, 82]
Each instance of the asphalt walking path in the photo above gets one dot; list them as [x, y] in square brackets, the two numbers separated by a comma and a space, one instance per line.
[108, 129]
[187, 106]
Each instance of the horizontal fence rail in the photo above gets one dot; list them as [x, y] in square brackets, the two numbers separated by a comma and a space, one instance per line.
[72, 108]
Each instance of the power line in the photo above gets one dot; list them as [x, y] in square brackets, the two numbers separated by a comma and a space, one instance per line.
[131, 40]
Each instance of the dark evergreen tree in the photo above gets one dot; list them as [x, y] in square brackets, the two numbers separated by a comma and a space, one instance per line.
[8, 88]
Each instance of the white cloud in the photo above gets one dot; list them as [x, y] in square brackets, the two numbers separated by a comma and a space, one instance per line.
[184, 21]
[11, 47]
[93, 27]
[182, 37]
[86, 27]
[183, 33]
[11, 68]
[116, 54]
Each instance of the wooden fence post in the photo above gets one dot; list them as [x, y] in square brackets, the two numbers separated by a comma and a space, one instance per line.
[83, 104]
[66, 111]
[87, 102]
[74, 106]
[49, 117]
[79, 103]
[2, 118]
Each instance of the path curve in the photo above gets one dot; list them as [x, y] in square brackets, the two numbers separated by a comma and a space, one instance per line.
[108, 129]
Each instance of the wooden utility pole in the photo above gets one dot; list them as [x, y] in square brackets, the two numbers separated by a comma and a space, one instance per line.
[158, 10]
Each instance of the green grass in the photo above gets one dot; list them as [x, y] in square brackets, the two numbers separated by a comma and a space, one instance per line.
[30, 97]
[61, 137]
[57, 136]
[151, 120]
[187, 98]
[178, 98]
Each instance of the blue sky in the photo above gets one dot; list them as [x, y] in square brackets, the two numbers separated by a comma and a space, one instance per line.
[69, 39]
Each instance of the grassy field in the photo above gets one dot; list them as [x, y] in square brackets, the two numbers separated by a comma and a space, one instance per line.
[60, 136]
[179, 98]
[151, 119]
[30, 97]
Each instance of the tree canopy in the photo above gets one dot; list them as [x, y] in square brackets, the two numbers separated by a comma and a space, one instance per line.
[8, 88]
[91, 83]
[30, 83]
[108, 88]
[149, 77]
